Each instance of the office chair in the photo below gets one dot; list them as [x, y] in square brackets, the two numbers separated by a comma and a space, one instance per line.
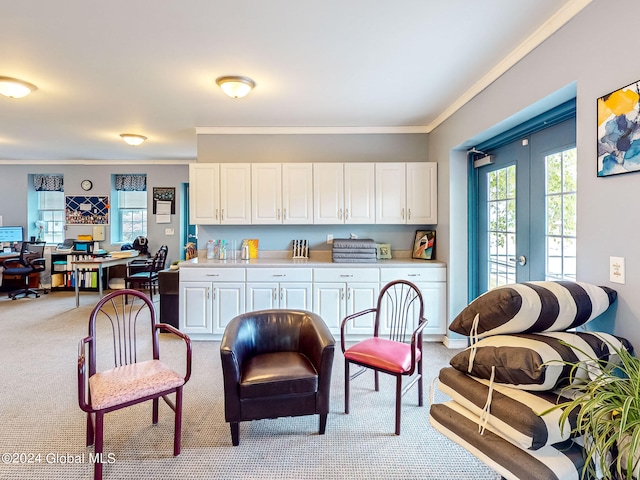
[31, 261]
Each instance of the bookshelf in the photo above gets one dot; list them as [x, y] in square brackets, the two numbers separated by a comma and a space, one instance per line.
[62, 277]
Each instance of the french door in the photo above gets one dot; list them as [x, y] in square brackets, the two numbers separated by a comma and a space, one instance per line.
[523, 204]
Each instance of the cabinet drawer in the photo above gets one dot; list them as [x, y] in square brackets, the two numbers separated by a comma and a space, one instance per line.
[212, 274]
[414, 274]
[279, 275]
[346, 274]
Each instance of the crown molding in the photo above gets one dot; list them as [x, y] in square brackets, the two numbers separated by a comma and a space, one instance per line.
[97, 162]
[308, 130]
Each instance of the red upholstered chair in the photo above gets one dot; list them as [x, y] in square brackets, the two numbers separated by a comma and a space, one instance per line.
[126, 369]
[396, 345]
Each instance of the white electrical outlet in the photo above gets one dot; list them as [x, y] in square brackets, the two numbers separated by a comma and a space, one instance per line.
[329, 239]
[616, 270]
[169, 231]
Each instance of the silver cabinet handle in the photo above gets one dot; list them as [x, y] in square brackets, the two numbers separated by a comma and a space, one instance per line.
[222, 217]
[413, 275]
[275, 293]
[346, 214]
[402, 213]
[284, 214]
[281, 293]
[208, 293]
[212, 275]
[348, 293]
[346, 275]
[279, 274]
[340, 214]
[342, 294]
[278, 214]
[409, 214]
[217, 214]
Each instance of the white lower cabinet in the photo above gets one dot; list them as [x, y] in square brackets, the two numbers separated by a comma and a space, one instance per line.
[279, 288]
[341, 292]
[433, 287]
[210, 298]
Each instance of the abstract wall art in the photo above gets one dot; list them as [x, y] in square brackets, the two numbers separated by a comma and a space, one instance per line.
[619, 131]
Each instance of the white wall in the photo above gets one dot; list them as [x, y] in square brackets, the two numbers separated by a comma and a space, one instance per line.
[594, 53]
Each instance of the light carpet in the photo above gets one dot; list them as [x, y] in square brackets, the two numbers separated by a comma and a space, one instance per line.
[43, 429]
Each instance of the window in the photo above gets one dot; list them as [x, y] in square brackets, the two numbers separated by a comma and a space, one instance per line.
[133, 215]
[51, 216]
[129, 207]
[501, 208]
[560, 199]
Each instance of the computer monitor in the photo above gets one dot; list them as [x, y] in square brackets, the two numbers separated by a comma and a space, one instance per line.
[11, 234]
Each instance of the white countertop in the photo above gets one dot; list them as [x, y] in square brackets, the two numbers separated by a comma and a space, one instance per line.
[321, 259]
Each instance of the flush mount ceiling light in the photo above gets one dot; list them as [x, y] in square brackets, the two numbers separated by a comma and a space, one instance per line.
[132, 138]
[235, 86]
[14, 88]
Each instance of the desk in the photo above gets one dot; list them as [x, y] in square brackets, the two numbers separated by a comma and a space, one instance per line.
[95, 263]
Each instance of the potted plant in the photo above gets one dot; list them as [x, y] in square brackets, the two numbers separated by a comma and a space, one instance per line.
[608, 415]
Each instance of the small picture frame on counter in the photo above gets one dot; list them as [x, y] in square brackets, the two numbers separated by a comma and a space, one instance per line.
[383, 251]
[424, 245]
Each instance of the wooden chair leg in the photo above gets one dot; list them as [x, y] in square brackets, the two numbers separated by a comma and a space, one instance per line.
[97, 466]
[323, 423]
[235, 433]
[398, 402]
[420, 389]
[346, 386]
[178, 423]
[90, 431]
[155, 402]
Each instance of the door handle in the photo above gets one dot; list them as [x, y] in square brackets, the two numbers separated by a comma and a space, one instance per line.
[522, 260]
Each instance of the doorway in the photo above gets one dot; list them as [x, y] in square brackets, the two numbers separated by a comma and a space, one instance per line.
[523, 207]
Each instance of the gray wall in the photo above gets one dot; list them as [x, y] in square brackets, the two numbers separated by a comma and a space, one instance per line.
[14, 190]
[592, 56]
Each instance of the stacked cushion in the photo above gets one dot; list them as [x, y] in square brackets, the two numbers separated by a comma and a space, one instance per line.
[533, 307]
[521, 363]
[537, 361]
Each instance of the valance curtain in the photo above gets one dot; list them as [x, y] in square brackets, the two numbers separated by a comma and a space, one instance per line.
[48, 183]
[131, 183]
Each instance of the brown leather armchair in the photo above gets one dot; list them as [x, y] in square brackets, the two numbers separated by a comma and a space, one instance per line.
[276, 363]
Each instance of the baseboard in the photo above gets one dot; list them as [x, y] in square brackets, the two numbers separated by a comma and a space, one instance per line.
[455, 343]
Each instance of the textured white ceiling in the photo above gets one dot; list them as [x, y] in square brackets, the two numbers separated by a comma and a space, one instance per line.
[149, 67]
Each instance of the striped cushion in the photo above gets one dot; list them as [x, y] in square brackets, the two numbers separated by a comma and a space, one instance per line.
[553, 462]
[533, 307]
[514, 413]
[536, 361]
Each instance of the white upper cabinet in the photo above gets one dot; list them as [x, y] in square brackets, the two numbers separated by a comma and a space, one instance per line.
[407, 193]
[235, 193]
[297, 193]
[422, 193]
[344, 193]
[204, 193]
[281, 193]
[359, 193]
[391, 203]
[266, 193]
[328, 193]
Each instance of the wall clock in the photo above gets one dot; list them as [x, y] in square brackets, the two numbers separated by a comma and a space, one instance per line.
[86, 185]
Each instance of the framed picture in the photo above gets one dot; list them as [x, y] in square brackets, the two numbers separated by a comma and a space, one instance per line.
[383, 250]
[619, 131]
[424, 244]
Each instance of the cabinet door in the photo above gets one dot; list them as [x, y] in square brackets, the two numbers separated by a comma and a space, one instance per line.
[361, 296]
[204, 193]
[295, 296]
[328, 193]
[359, 193]
[422, 193]
[297, 193]
[329, 303]
[262, 296]
[390, 193]
[434, 295]
[235, 193]
[195, 307]
[228, 301]
[266, 193]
